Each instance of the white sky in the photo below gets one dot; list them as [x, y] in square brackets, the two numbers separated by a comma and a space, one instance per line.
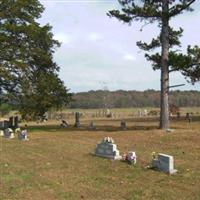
[99, 51]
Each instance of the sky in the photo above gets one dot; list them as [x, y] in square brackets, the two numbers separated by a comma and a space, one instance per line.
[99, 52]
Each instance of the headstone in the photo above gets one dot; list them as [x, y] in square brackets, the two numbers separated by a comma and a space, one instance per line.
[4, 124]
[164, 163]
[139, 113]
[123, 125]
[1, 133]
[77, 120]
[145, 112]
[92, 126]
[23, 135]
[188, 117]
[1, 124]
[131, 157]
[106, 148]
[108, 113]
[16, 122]
[8, 133]
[11, 122]
[178, 115]
[64, 124]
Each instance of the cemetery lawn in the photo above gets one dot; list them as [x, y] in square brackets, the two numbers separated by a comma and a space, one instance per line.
[58, 164]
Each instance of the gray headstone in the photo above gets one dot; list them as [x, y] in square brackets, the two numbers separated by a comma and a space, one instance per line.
[123, 125]
[4, 124]
[1, 124]
[8, 133]
[77, 120]
[92, 126]
[16, 122]
[106, 148]
[23, 135]
[164, 163]
[11, 122]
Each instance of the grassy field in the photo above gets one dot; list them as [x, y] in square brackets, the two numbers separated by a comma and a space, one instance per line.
[58, 164]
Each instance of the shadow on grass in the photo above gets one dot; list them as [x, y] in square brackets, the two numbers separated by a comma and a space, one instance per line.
[51, 128]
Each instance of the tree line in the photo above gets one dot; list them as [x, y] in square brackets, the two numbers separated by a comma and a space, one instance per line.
[126, 99]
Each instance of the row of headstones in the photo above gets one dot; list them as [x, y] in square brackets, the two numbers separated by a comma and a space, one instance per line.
[91, 125]
[13, 122]
[106, 148]
[10, 134]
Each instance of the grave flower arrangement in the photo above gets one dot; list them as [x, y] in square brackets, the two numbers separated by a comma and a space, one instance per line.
[130, 157]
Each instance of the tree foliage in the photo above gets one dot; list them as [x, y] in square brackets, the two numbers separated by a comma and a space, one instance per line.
[137, 99]
[168, 59]
[28, 74]
[151, 11]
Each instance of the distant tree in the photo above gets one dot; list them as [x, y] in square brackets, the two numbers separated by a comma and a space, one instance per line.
[28, 74]
[162, 11]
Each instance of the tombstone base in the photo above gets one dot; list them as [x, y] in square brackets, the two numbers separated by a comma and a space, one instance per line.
[26, 139]
[110, 157]
[10, 137]
[174, 171]
[77, 125]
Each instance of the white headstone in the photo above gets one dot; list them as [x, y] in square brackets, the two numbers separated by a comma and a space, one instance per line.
[107, 149]
[164, 163]
[22, 135]
[1, 133]
[8, 133]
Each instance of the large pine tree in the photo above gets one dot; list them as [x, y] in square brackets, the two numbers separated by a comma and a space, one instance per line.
[28, 74]
[168, 60]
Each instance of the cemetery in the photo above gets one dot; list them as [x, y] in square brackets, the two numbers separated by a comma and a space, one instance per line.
[108, 158]
[94, 121]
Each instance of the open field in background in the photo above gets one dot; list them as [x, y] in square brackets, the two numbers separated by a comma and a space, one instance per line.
[134, 111]
[117, 113]
[57, 164]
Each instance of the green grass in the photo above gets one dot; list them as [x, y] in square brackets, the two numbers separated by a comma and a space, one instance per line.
[58, 164]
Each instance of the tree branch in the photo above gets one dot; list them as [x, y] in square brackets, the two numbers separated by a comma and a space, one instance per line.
[175, 10]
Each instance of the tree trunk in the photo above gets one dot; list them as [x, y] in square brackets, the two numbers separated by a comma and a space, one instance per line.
[164, 100]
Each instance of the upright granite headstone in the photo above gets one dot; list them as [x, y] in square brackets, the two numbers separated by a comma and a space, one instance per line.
[4, 124]
[16, 122]
[123, 125]
[11, 122]
[164, 163]
[77, 120]
[8, 133]
[106, 148]
[92, 126]
[1, 124]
